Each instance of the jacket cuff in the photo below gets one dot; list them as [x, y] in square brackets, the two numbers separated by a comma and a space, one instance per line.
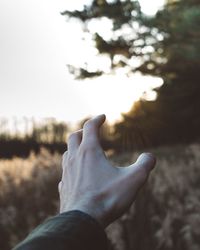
[73, 230]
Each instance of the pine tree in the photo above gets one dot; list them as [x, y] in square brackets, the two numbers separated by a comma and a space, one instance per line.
[166, 45]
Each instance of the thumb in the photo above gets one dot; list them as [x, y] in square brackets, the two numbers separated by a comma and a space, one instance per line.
[140, 170]
[145, 161]
[134, 178]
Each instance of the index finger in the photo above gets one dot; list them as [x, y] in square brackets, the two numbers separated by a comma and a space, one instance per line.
[91, 130]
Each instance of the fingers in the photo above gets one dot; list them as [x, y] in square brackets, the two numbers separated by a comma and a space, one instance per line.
[74, 141]
[91, 130]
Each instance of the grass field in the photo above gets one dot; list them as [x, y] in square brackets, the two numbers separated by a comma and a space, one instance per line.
[165, 216]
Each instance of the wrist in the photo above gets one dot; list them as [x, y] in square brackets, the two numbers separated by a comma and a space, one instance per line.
[93, 210]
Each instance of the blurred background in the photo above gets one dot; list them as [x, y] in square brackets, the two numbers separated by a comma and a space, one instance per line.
[138, 62]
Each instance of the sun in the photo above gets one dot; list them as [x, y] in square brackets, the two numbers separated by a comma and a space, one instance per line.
[114, 95]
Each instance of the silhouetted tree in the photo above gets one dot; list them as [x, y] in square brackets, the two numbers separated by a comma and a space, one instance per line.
[166, 45]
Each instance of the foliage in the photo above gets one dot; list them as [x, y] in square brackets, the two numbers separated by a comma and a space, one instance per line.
[166, 45]
[165, 216]
[122, 14]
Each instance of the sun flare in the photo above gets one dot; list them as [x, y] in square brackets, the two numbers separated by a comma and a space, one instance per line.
[113, 95]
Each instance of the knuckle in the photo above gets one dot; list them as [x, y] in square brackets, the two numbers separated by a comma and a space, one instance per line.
[88, 147]
[88, 124]
[70, 159]
[74, 135]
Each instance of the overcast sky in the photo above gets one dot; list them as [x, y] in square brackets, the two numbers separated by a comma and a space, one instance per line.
[36, 43]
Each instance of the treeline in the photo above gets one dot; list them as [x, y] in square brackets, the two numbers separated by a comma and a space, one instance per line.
[128, 135]
[51, 134]
[23, 148]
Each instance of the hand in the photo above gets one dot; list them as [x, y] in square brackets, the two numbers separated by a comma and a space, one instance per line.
[91, 184]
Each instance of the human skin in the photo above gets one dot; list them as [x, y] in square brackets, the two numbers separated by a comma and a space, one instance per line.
[91, 184]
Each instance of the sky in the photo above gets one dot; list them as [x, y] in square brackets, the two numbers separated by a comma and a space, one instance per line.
[36, 44]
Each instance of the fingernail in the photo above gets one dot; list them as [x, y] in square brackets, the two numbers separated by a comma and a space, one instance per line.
[148, 159]
[101, 116]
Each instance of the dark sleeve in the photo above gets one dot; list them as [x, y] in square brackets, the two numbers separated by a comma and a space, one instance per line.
[72, 230]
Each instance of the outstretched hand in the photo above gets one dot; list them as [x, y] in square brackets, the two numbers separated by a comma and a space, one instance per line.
[91, 184]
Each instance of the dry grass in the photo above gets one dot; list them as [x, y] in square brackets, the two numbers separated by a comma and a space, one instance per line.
[28, 194]
[165, 216]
